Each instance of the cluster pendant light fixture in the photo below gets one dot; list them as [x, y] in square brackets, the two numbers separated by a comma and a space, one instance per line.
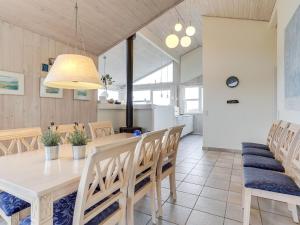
[74, 71]
[172, 40]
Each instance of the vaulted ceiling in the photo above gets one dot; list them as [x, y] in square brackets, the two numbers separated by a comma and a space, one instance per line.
[104, 23]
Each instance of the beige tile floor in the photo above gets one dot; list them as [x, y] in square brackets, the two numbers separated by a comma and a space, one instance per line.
[209, 192]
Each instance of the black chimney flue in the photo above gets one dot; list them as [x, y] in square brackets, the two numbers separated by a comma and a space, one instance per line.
[129, 106]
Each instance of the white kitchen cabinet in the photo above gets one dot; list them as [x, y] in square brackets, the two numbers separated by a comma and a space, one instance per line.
[186, 120]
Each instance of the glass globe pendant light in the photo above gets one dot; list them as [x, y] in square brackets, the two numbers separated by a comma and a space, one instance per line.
[172, 41]
[190, 30]
[185, 41]
[178, 26]
[73, 71]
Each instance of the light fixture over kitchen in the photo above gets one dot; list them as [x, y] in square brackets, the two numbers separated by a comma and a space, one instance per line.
[74, 71]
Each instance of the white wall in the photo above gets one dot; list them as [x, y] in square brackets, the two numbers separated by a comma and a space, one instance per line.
[285, 11]
[246, 49]
[191, 65]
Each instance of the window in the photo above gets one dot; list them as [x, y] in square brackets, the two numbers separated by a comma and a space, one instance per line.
[141, 97]
[111, 94]
[192, 99]
[163, 75]
[161, 97]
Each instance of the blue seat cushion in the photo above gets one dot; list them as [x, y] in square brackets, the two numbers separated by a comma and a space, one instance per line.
[166, 166]
[11, 204]
[270, 181]
[259, 152]
[63, 210]
[262, 163]
[255, 145]
[141, 184]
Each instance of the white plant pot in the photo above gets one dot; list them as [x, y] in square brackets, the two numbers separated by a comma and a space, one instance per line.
[51, 152]
[79, 152]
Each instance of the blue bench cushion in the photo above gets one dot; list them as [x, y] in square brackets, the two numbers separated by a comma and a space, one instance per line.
[141, 184]
[11, 204]
[262, 163]
[63, 210]
[255, 145]
[270, 181]
[259, 152]
[166, 166]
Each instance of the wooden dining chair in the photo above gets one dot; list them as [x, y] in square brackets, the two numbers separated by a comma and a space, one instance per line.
[274, 185]
[101, 129]
[143, 179]
[102, 192]
[64, 130]
[14, 141]
[167, 162]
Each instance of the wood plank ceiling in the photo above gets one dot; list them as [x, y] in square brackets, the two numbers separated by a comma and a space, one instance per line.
[104, 23]
[192, 10]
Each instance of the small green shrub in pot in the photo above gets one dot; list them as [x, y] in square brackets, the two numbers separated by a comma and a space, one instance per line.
[78, 139]
[51, 140]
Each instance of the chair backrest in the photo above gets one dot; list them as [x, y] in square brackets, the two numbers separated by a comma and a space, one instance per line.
[145, 158]
[272, 131]
[101, 129]
[104, 180]
[293, 169]
[20, 140]
[278, 136]
[65, 130]
[169, 147]
[285, 150]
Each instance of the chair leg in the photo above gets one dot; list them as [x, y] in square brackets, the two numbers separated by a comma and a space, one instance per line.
[153, 203]
[130, 211]
[247, 206]
[293, 209]
[243, 197]
[14, 219]
[158, 192]
[173, 185]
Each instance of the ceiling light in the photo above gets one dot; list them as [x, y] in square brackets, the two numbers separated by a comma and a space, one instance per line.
[172, 41]
[185, 41]
[73, 71]
[178, 27]
[190, 31]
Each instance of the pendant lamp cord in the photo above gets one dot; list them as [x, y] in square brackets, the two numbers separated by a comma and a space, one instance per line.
[78, 30]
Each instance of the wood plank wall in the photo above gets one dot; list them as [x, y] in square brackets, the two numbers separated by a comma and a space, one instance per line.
[23, 51]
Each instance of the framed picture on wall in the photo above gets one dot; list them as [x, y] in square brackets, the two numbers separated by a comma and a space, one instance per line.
[48, 92]
[84, 95]
[11, 83]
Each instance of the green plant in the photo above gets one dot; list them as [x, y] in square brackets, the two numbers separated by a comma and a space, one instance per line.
[50, 138]
[78, 137]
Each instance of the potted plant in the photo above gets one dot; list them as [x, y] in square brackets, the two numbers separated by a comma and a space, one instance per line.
[78, 139]
[51, 140]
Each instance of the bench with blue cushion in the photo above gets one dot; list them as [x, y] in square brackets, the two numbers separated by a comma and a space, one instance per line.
[270, 181]
[63, 211]
[255, 145]
[259, 152]
[11, 204]
[262, 163]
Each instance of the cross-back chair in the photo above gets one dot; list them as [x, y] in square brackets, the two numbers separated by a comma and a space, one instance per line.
[278, 136]
[275, 185]
[102, 192]
[64, 130]
[167, 162]
[20, 140]
[270, 137]
[143, 179]
[101, 129]
[14, 141]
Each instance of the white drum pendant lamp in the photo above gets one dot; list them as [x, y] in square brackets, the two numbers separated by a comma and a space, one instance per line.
[73, 71]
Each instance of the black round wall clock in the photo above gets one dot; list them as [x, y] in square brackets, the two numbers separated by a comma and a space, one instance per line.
[232, 82]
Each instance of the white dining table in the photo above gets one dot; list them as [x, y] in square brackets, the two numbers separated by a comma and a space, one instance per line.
[30, 177]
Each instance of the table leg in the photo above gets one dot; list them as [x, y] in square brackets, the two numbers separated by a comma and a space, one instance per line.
[42, 210]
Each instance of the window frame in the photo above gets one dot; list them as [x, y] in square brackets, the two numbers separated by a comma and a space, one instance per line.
[199, 99]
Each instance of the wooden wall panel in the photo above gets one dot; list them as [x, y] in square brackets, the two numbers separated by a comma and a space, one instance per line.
[23, 51]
